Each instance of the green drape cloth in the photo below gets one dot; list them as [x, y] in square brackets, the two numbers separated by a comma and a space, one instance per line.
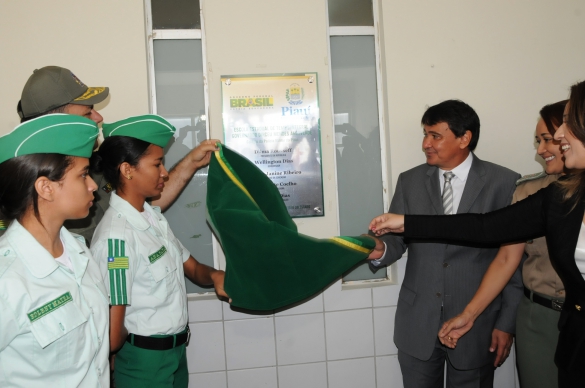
[269, 265]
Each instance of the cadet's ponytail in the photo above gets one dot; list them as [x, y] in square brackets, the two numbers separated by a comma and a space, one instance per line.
[113, 152]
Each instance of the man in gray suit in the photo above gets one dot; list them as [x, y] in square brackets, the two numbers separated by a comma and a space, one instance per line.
[441, 279]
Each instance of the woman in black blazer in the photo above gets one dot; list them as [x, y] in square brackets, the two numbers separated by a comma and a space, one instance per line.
[556, 212]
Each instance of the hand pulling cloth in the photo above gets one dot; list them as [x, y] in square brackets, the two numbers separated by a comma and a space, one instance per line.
[269, 264]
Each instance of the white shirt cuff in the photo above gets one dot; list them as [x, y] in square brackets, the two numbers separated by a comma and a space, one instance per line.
[377, 262]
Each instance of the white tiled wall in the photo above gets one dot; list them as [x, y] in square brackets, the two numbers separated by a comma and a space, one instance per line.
[338, 339]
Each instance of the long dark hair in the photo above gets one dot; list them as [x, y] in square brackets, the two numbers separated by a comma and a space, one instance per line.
[113, 152]
[18, 176]
[573, 186]
[552, 115]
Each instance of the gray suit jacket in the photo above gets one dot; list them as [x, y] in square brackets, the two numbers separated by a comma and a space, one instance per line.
[449, 275]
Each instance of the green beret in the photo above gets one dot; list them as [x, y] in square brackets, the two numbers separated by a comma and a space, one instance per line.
[51, 134]
[151, 128]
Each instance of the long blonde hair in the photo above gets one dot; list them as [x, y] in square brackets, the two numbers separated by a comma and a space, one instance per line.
[573, 185]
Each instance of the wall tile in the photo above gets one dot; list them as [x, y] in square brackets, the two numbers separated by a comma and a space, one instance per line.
[300, 339]
[313, 305]
[384, 331]
[250, 343]
[338, 299]
[352, 373]
[253, 378]
[349, 334]
[303, 376]
[388, 295]
[229, 314]
[206, 352]
[205, 310]
[504, 376]
[388, 372]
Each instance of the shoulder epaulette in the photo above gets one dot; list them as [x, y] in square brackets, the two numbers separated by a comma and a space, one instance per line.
[531, 177]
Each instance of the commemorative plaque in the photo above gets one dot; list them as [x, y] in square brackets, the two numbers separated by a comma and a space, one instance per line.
[273, 120]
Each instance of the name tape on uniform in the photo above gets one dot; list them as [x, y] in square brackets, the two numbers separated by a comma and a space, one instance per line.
[47, 308]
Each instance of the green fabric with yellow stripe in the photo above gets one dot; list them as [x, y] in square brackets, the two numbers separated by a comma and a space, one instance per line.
[117, 267]
[269, 264]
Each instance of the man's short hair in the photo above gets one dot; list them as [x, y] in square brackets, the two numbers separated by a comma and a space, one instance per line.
[459, 116]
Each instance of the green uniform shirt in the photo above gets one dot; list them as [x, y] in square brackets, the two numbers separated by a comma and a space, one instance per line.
[53, 321]
[142, 267]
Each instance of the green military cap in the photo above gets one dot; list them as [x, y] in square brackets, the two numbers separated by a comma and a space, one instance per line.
[151, 128]
[51, 134]
[269, 265]
[51, 87]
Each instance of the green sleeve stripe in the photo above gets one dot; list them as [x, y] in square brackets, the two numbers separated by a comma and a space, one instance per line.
[116, 247]
[119, 296]
[124, 290]
[117, 272]
[110, 247]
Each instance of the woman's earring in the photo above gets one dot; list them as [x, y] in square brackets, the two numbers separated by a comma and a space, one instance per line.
[129, 177]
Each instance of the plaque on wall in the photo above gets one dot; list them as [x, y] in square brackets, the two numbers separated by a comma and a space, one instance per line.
[273, 120]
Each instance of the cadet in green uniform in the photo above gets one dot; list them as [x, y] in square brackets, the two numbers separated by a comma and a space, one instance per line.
[143, 264]
[54, 89]
[53, 304]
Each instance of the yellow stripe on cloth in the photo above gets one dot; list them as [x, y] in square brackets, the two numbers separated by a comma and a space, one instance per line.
[228, 171]
[351, 245]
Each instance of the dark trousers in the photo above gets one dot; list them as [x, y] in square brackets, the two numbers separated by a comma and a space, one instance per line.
[430, 373]
[537, 335]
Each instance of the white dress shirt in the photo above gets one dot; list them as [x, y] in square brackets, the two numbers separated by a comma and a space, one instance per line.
[460, 174]
[580, 251]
